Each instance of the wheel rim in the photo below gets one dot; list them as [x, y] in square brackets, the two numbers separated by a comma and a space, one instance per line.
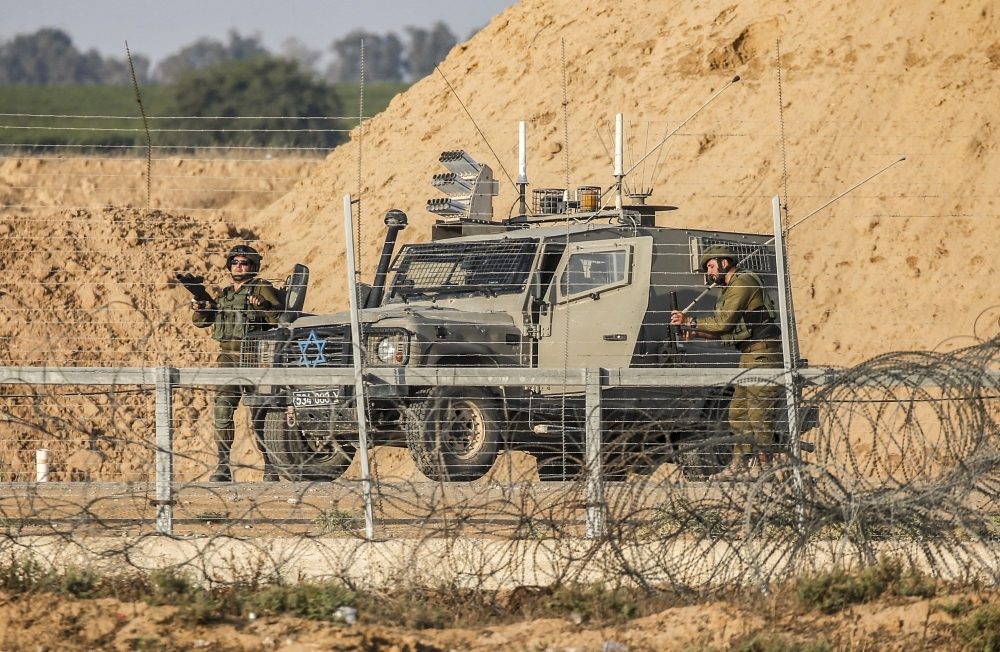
[465, 432]
[324, 452]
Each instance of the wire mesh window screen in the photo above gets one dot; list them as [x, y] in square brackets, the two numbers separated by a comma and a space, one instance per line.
[498, 266]
[749, 255]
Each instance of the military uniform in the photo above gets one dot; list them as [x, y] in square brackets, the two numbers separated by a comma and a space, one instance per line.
[744, 318]
[232, 317]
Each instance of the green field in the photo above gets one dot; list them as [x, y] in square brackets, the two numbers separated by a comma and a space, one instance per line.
[46, 117]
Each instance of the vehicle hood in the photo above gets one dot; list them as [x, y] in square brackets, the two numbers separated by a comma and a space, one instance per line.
[392, 316]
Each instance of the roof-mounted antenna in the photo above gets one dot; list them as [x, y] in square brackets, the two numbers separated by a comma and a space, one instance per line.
[619, 157]
[770, 241]
[678, 128]
[522, 167]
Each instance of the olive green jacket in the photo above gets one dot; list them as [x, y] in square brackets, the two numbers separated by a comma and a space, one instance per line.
[743, 313]
[233, 316]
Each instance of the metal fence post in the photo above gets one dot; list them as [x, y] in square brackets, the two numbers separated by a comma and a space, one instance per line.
[359, 381]
[164, 451]
[595, 482]
[790, 353]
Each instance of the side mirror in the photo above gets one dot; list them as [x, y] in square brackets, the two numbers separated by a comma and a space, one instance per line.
[536, 287]
[295, 293]
[364, 292]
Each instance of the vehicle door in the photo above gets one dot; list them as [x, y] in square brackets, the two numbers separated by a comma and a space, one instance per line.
[599, 296]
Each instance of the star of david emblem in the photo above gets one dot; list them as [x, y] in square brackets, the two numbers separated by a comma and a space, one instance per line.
[305, 360]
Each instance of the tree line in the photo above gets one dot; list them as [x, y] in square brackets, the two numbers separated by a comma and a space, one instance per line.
[49, 57]
[234, 93]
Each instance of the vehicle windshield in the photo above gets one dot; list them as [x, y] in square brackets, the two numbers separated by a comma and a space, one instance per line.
[491, 266]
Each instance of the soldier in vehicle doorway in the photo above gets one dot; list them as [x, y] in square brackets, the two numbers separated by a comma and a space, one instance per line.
[250, 304]
[744, 318]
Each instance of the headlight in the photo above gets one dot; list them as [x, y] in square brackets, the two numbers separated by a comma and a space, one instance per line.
[388, 348]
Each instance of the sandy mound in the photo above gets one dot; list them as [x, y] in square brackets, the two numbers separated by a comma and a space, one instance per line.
[891, 267]
[84, 283]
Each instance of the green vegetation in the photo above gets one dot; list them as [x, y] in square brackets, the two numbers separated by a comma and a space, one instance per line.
[594, 603]
[338, 520]
[980, 630]
[831, 592]
[124, 131]
[23, 574]
[418, 608]
[259, 102]
[25, 130]
[377, 96]
[772, 643]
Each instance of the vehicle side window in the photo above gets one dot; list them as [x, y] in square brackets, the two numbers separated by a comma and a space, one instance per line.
[589, 271]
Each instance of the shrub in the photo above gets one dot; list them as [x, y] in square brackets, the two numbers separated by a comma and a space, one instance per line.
[831, 592]
[261, 101]
[771, 643]
[980, 630]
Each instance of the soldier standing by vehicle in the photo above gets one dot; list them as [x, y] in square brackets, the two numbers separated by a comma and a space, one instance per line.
[250, 304]
[744, 318]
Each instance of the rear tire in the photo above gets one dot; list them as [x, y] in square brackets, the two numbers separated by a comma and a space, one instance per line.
[454, 434]
[296, 458]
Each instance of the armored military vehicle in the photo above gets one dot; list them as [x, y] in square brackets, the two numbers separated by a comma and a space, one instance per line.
[568, 282]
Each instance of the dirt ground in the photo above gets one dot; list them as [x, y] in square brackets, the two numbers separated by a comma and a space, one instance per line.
[48, 622]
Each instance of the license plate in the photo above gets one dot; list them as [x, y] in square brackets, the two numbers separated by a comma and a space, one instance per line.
[314, 398]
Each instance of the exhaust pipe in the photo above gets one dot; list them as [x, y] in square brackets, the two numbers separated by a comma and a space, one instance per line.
[396, 221]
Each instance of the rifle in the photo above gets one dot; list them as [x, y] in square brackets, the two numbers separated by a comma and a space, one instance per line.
[675, 333]
[196, 286]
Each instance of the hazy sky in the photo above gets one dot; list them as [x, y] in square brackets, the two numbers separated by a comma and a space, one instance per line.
[157, 28]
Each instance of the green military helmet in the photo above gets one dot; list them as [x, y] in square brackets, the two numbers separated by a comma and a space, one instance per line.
[247, 252]
[712, 252]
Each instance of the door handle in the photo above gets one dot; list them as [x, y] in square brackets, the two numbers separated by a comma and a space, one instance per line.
[616, 337]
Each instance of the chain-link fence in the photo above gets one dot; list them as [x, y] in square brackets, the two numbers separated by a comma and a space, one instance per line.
[509, 406]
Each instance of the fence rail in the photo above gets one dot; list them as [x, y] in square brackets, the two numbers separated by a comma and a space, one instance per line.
[165, 379]
[591, 381]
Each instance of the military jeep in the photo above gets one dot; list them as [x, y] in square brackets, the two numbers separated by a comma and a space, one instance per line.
[568, 284]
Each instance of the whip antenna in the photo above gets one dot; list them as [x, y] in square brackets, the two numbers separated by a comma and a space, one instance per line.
[687, 120]
[361, 137]
[770, 241]
[781, 119]
[485, 140]
[145, 124]
[846, 192]
[565, 108]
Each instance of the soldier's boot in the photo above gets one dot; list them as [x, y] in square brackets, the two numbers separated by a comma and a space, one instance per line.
[221, 474]
[737, 471]
[270, 473]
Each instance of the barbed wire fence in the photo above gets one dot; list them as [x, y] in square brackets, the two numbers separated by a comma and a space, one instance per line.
[99, 353]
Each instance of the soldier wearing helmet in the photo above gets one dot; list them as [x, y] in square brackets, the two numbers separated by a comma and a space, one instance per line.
[250, 304]
[744, 318]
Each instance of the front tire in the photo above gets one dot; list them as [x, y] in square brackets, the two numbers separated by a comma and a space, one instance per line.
[296, 457]
[454, 433]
